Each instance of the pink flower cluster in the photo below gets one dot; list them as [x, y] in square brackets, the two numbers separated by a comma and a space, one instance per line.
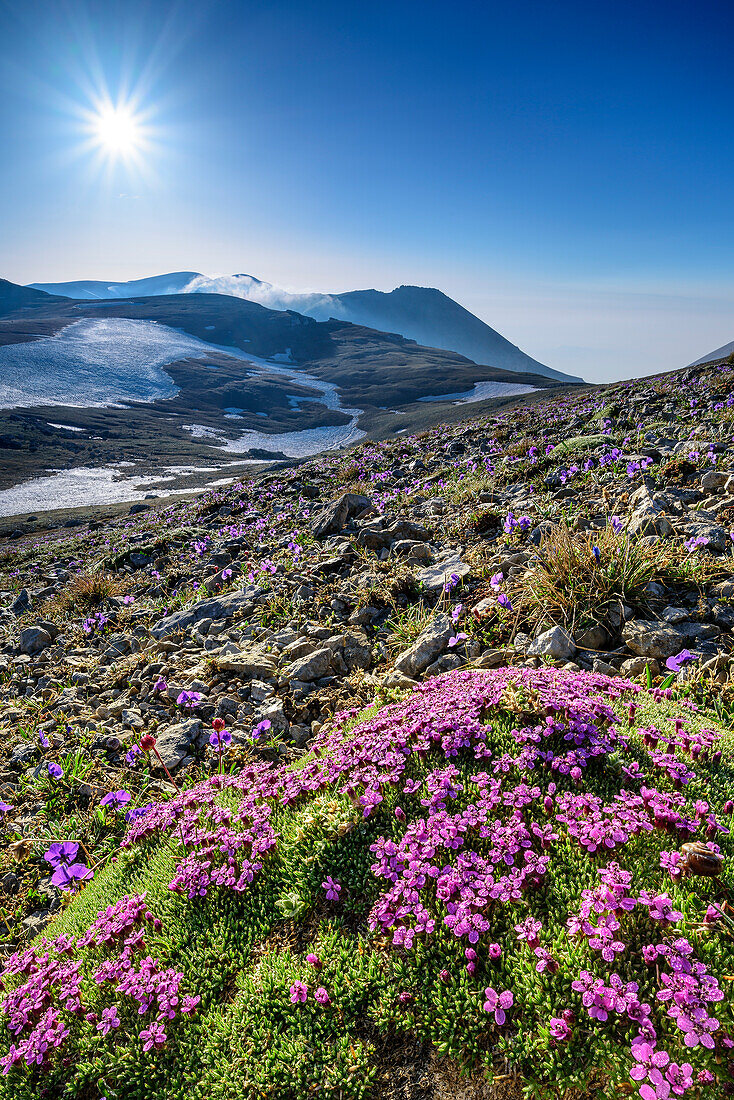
[452, 852]
[55, 998]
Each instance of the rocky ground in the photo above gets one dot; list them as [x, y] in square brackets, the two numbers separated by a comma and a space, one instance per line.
[588, 532]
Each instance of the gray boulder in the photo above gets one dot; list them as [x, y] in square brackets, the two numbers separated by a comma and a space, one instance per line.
[33, 640]
[251, 664]
[337, 514]
[723, 615]
[660, 640]
[493, 658]
[556, 643]
[648, 516]
[431, 643]
[406, 530]
[300, 647]
[718, 537]
[357, 651]
[34, 924]
[445, 663]
[21, 603]
[435, 577]
[713, 480]
[375, 537]
[299, 735]
[311, 667]
[604, 667]
[593, 637]
[216, 609]
[118, 646]
[177, 744]
[637, 666]
[353, 648]
[275, 714]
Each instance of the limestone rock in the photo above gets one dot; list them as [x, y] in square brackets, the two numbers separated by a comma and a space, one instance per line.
[556, 643]
[337, 514]
[647, 517]
[445, 663]
[713, 480]
[253, 663]
[637, 666]
[435, 577]
[216, 609]
[34, 639]
[426, 649]
[176, 744]
[21, 603]
[593, 637]
[718, 537]
[660, 640]
[310, 668]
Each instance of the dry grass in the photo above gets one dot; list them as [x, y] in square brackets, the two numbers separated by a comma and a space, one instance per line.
[88, 591]
[572, 586]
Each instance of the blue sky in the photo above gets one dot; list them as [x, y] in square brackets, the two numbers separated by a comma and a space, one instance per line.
[565, 170]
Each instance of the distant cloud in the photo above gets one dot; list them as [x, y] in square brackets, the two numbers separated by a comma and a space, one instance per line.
[314, 304]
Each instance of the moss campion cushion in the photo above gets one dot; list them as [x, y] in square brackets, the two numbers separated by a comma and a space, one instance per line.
[491, 869]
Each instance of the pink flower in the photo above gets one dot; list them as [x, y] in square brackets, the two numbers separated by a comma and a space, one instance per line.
[529, 931]
[559, 1029]
[299, 992]
[153, 1036]
[321, 996]
[671, 861]
[109, 1020]
[188, 1005]
[498, 1003]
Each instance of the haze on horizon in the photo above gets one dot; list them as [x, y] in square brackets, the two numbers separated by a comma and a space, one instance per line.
[562, 171]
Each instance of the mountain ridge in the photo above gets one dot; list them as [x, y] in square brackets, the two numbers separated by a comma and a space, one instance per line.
[720, 353]
[423, 314]
[257, 382]
[14, 297]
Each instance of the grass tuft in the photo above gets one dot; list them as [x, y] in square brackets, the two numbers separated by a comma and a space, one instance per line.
[581, 577]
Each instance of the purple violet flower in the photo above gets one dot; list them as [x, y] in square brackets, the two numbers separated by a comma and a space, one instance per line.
[332, 888]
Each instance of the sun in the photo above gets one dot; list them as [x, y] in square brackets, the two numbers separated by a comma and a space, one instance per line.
[117, 130]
